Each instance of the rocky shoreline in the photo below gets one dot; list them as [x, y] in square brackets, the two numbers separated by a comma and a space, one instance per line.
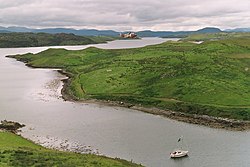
[56, 143]
[204, 120]
[213, 122]
[49, 142]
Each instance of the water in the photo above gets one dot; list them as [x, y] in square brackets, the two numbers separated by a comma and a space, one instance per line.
[32, 96]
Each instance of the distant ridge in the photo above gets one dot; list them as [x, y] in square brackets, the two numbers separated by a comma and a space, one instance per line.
[94, 32]
[83, 32]
[4, 31]
[149, 33]
[209, 30]
[238, 30]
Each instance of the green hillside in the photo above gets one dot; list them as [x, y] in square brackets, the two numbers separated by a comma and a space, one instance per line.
[212, 78]
[8, 40]
[18, 152]
[216, 36]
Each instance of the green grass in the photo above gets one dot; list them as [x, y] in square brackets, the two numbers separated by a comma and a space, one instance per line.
[211, 78]
[18, 152]
[216, 36]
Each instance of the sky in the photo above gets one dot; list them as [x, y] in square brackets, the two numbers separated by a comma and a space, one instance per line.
[123, 15]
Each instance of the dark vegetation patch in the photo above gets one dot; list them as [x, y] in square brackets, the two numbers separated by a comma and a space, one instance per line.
[12, 40]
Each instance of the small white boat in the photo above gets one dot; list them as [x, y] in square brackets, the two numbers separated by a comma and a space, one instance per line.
[178, 154]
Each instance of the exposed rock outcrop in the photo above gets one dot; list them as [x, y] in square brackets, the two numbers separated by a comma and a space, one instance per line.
[10, 126]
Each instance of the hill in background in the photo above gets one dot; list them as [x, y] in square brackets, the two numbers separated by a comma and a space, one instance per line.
[238, 30]
[26, 39]
[93, 32]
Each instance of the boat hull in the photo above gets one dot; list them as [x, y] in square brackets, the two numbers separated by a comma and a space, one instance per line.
[178, 154]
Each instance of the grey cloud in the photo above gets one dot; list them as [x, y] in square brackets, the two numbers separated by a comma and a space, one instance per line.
[126, 14]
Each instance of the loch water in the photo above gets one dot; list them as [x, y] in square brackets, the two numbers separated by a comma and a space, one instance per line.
[33, 97]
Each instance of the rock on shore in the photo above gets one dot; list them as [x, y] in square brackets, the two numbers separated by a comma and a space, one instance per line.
[10, 126]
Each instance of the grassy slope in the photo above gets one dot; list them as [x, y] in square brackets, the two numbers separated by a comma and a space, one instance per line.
[216, 36]
[8, 40]
[212, 78]
[16, 151]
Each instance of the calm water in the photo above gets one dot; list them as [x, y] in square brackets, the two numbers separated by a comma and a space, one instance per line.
[32, 96]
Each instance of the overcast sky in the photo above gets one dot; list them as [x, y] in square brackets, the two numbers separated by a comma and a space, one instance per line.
[123, 15]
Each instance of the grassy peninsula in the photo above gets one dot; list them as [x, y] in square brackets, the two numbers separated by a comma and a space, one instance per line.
[212, 78]
[216, 36]
[11, 40]
[16, 151]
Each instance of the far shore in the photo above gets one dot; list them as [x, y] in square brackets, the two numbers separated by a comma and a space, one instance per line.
[204, 120]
